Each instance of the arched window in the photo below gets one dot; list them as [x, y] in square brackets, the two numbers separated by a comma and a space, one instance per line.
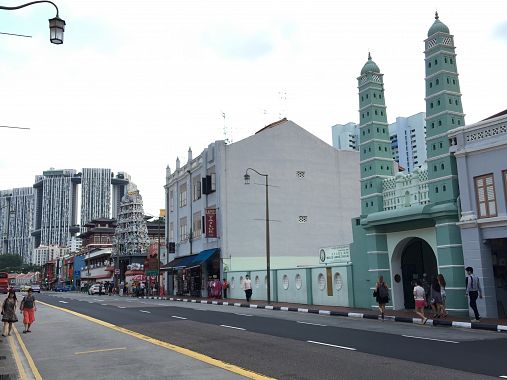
[437, 82]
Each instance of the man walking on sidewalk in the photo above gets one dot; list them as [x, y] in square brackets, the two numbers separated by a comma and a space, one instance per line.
[247, 287]
[473, 290]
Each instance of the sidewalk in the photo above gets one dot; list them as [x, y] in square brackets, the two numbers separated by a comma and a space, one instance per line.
[405, 316]
[8, 367]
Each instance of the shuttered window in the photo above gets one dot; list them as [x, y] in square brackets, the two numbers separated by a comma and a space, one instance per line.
[485, 195]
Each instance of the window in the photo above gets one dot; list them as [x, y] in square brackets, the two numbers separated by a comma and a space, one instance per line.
[485, 196]
[171, 200]
[171, 231]
[213, 182]
[504, 174]
[183, 195]
[437, 82]
[183, 229]
[303, 219]
[196, 188]
[298, 281]
[301, 174]
[196, 226]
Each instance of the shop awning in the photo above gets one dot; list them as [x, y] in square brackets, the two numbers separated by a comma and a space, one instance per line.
[190, 261]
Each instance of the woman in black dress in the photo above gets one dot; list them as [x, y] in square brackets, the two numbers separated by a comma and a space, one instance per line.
[9, 312]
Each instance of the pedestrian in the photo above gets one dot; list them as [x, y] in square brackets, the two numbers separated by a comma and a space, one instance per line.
[473, 290]
[381, 294]
[28, 308]
[9, 312]
[443, 284]
[100, 289]
[225, 286]
[420, 301]
[247, 287]
[436, 298]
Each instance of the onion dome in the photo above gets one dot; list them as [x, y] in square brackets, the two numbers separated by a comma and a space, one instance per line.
[370, 66]
[437, 27]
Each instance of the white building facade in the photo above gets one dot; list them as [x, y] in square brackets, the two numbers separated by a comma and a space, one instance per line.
[313, 195]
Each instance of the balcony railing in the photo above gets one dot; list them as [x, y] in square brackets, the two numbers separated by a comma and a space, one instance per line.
[406, 190]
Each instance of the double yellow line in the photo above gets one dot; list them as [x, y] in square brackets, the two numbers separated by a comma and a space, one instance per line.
[28, 357]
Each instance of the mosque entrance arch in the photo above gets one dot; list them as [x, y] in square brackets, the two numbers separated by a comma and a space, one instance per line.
[413, 259]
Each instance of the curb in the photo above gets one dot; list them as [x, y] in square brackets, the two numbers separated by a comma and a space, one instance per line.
[431, 322]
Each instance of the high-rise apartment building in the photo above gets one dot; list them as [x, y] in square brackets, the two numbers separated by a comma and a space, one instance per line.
[345, 136]
[408, 141]
[95, 194]
[407, 136]
[56, 207]
[16, 221]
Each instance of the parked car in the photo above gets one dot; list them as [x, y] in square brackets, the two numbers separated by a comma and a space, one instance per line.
[35, 288]
[62, 288]
[24, 288]
[94, 289]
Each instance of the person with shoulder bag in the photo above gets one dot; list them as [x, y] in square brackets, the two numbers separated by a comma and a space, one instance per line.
[381, 294]
[28, 308]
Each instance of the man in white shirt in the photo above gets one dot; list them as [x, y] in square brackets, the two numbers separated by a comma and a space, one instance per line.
[473, 290]
[247, 287]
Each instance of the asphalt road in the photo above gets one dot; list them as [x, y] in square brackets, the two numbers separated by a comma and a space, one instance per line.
[304, 346]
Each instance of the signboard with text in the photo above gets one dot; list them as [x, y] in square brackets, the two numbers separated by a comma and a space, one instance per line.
[339, 254]
[211, 222]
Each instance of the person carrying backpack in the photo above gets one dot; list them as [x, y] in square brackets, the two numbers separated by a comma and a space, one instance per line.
[381, 294]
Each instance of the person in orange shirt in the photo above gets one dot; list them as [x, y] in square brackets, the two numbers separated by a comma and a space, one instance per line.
[28, 308]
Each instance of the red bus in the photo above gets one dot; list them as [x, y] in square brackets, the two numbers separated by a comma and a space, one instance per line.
[4, 282]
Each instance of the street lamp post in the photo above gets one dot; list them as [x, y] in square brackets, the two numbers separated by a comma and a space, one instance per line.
[268, 259]
[56, 24]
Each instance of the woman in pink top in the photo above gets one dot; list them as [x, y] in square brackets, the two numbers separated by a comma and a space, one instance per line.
[420, 301]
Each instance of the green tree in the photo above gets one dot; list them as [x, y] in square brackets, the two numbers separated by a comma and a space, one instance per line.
[10, 262]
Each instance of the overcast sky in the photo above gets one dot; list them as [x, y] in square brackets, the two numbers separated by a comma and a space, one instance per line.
[136, 83]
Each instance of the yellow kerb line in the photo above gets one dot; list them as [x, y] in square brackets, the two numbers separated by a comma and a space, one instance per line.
[21, 369]
[184, 351]
[100, 350]
[28, 357]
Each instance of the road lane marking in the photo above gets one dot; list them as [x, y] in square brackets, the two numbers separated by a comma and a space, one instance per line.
[181, 350]
[104, 304]
[503, 377]
[161, 304]
[175, 316]
[437, 340]
[244, 315]
[122, 307]
[332, 345]
[100, 350]
[145, 311]
[63, 301]
[310, 323]
[28, 357]
[232, 327]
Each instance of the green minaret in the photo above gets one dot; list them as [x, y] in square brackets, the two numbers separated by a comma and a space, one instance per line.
[443, 112]
[375, 149]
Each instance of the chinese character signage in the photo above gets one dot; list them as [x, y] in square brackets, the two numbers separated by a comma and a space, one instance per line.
[335, 255]
[211, 222]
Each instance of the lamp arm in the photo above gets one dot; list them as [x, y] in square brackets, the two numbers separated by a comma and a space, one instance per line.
[264, 175]
[28, 4]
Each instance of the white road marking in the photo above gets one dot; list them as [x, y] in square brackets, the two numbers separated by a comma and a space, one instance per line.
[503, 377]
[244, 315]
[63, 301]
[232, 327]
[332, 345]
[161, 304]
[175, 316]
[437, 340]
[90, 301]
[145, 311]
[104, 304]
[313, 324]
[122, 307]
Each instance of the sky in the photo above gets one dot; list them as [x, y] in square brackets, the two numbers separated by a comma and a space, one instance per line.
[136, 83]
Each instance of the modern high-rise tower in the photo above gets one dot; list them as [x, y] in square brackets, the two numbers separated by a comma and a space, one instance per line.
[56, 207]
[16, 221]
[95, 194]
